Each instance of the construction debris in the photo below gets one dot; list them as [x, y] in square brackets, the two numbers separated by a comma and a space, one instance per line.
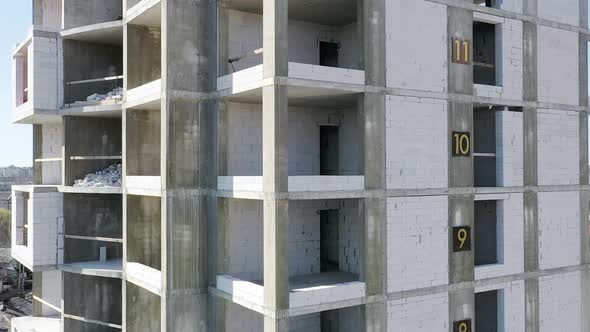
[110, 177]
[116, 94]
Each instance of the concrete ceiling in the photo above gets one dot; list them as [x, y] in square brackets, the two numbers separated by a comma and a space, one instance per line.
[104, 33]
[304, 97]
[329, 12]
[151, 17]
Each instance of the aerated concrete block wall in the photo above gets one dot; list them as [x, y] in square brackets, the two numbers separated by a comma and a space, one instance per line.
[51, 147]
[245, 139]
[557, 133]
[559, 302]
[408, 314]
[559, 229]
[509, 148]
[44, 77]
[47, 287]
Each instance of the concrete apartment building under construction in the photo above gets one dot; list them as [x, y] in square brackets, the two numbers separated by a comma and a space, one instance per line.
[323, 165]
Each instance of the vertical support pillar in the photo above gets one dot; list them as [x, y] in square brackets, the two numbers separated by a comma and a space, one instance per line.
[37, 153]
[375, 208]
[584, 195]
[186, 164]
[275, 156]
[460, 119]
[531, 203]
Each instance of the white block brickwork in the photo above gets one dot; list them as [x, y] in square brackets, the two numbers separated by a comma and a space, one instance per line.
[509, 149]
[428, 313]
[245, 36]
[511, 311]
[45, 230]
[559, 229]
[417, 246]
[558, 153]
[558, 48]
[246, 237]
[510, 235]
[44, 79]
[560, 303]
[51, 148]
[562, 11]
[52, 291]
[416, 149]
[416, 60]
[245, 139]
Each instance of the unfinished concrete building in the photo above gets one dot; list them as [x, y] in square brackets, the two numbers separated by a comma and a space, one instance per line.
[326, 165]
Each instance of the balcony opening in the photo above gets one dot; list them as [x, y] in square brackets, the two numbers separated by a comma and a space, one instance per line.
[93, 228]
[487, 228]
[344, 319]
[488, 311]
[329, 250]
[324, 245]
[329, 150]
[94, 159]
[486, 53]
[94, 74]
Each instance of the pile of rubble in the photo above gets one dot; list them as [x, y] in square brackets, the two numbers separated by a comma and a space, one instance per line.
[110, 177]
[116, 94]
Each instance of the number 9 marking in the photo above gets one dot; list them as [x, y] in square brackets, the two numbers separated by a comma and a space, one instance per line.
[463, 327]
[462, 236]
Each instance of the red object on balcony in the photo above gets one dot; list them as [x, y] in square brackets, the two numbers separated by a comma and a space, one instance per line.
[25, 95]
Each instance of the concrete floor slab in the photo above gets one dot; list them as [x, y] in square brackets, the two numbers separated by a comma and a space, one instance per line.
[108, 269]
[296, 183]
[36, 324]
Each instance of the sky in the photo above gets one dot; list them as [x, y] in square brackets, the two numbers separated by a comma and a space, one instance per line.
[16, 147]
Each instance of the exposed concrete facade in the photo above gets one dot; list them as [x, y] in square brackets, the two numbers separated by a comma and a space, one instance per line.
[307, 166]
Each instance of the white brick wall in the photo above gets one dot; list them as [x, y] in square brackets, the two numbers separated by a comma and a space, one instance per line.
[45, 213]
[510, 239]
[563, 11]
[429, 313]
[416, 60]
[558, 155]
[512, 59]
[417, 246]
[245, 139]
[52, 291]
[416, 149]
[559, 303]
[509, 149]
[43, 74]
[51, 148]
[557, 49]
[559, 229]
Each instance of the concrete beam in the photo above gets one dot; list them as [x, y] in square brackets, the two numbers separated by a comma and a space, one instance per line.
[461, 307]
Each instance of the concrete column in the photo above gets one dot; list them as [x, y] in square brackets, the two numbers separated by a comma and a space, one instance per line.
[460, 119]
[531, 205]
[275, 156]
[584, 195]
[188, 170]
[222, 38]
[372, 25]
[38, 153]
